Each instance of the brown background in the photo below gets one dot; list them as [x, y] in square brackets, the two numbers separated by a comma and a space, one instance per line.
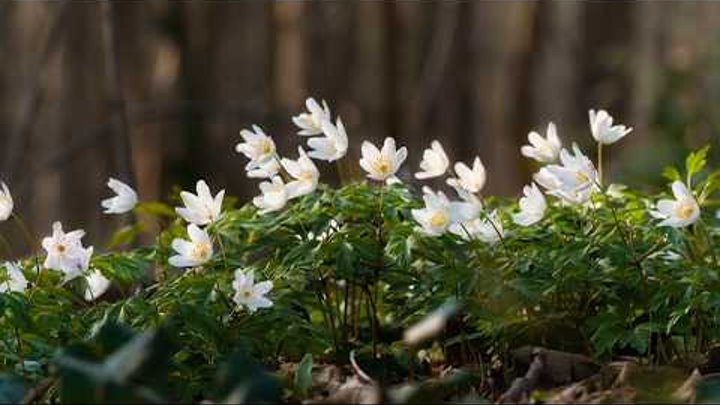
[155, 92]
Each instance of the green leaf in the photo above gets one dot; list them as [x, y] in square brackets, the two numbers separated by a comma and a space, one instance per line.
[125, 236]
[155, 208]
[695, 162]
[303, 376]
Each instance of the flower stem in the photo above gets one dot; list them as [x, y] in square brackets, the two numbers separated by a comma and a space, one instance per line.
[600, 162]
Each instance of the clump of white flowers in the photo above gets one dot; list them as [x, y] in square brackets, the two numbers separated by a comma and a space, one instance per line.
[257, 146]
[304, 173]
[469, 179]
[274, 195]
[573, 180]
[532, 206]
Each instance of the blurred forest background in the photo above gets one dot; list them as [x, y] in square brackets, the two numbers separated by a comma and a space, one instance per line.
[156, 92]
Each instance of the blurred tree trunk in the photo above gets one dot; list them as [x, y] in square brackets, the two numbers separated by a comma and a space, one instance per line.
[495, 82]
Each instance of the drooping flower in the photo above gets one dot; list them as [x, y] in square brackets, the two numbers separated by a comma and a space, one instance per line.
[13, 280]
[96, 284]
[203, 208]
[310, 123]
[249, 294]
[603, 130]
[274, 195]
[305, 175]
[265, 171]
[331, 147]
[544, 150]
[194, 252]
[382, 164]
[6, 202]
[440, 213]
[435, 162]
[574, 180]
[471, 180]
[680, 212]
[532, 206]
[125, 200]
[489, 230]
[65, 252]
[258, 147]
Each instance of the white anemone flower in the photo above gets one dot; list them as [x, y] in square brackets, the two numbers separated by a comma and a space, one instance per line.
[574, 180]
[304, 173]
[96, 285]
[249, 294]
[274, 195]
[65, 252]
[194, 252]
[471, 180]
[201, 208]
[603, 130]
[331, 147]
[258, 147]
[6, 202]
[382, 164]
[14, 279]
[680, 212]
[125, 200]
[532, 206]
[440, 213]
[489, 230]
[544, 150]
[266, 170]
[435, 162]
[310, 123]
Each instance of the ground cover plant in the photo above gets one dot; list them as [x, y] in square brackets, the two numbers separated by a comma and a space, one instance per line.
[382, 290]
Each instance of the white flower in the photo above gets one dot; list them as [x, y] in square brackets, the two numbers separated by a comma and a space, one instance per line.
[96, 285]
[305, 175]
[123, 202]
[471, 180]
[532, 206]
[331, 147]
[194, 252]
[310, 123]
[680, 212]
[14, 279]
[440, 213]
[488, 230]
[274, 195]
[203, 208]
[544, 150]
[435, 162]
[601, 126]
[382, 164]
[65, 252]
[573, 181]
[248, 294]
[265, 171]
[6, 202]
[258, 147]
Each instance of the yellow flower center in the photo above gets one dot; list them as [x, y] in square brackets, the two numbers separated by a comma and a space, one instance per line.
[60, 248]
[383, 167]
[440, 219]
[266, 147]
[201, 251]
[581, 177]
[685, 209]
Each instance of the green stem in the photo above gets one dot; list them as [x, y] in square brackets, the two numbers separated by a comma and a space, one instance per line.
[600, 162]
